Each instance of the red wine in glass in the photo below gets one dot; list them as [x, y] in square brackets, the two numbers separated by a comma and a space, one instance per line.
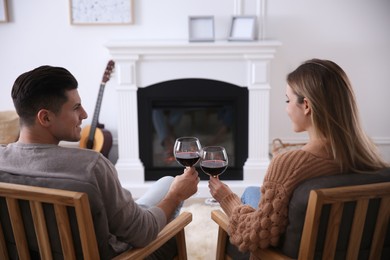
[187, 151]
[187, 159]
[213, 167]
[214, 160]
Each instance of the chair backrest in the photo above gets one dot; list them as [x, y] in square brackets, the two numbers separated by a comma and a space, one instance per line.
[298, 208]
[370, 218]
[332, 217]
[23, 206]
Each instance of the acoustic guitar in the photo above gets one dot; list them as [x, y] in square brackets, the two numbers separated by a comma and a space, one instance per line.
[94, 136]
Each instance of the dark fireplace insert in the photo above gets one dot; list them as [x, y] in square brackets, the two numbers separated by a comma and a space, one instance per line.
[214, 111]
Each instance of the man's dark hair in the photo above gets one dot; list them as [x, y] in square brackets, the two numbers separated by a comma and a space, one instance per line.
[41, 88]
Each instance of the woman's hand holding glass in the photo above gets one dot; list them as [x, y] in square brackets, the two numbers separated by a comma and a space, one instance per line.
[218, 189]
[213, 161]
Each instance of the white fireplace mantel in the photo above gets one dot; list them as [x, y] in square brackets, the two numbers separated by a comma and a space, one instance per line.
[140, 64]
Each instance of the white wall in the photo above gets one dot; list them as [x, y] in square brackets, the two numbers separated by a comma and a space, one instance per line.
[354, 33]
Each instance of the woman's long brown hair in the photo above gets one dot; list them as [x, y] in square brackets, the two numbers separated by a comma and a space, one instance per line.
[335, 114]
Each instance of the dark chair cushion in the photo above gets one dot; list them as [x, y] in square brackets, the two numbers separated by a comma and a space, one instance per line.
[298, 205]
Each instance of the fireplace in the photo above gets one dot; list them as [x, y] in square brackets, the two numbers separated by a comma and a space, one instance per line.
[214, 111]
[139, 65]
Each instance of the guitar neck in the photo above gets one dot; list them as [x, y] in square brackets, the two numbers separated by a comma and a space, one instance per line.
[96, 113]
[95, 119]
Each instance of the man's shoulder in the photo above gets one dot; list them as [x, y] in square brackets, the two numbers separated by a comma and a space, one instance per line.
[52, 160]
[75, 151]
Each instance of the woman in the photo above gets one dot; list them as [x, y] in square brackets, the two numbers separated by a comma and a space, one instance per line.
[320, 100]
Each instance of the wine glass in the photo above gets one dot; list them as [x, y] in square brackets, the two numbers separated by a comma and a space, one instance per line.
[213, 162]
[187, 151]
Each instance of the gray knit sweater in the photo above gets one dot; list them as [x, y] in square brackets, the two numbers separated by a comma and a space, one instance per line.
[121, 222]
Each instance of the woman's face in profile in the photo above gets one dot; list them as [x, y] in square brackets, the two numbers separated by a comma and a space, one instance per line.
[296, 111]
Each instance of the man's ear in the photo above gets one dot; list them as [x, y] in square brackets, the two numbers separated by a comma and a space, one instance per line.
[43, 117]
[307, 106]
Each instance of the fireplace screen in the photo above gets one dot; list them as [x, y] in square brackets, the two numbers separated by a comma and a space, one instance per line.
[211, 123]
[215, 112]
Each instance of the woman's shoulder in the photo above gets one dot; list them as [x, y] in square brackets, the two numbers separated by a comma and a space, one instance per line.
[300, 154]
[288, 161]
[299, 164]
[290, 155]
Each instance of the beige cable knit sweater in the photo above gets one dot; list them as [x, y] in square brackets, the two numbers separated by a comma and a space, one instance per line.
[249, 228]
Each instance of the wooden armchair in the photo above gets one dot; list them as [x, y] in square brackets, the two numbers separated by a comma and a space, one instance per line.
[370, 207]
[15, 198]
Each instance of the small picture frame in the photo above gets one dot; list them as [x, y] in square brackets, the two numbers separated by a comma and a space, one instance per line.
[3, 11]
[109, 12]
[243, 28]
[201, 28]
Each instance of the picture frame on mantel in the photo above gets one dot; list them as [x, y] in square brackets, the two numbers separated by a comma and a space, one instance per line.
[3, 11]
[109, 12]
[243, 28]
[201, 28]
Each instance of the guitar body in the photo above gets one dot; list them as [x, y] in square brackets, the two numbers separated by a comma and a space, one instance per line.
[94, 136]
[102, 141]
[107, 144]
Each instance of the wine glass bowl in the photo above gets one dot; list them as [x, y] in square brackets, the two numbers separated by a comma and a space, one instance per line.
[187, 151]
[213, 160]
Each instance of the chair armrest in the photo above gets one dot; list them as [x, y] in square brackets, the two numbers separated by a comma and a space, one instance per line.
[222, 221]
[271, 254]
[169, 231]
[220, 218]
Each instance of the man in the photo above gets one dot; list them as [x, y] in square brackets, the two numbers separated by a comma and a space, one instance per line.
[49, 106]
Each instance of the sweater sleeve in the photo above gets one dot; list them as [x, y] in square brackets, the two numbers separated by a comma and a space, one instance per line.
[251, 228]
[127, 221]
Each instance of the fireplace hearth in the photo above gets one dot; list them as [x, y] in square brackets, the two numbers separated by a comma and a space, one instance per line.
[140, 65]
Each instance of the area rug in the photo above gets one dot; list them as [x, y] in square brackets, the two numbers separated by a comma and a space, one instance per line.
[201, 233]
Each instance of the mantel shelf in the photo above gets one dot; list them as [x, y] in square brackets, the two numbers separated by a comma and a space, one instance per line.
[185, 47]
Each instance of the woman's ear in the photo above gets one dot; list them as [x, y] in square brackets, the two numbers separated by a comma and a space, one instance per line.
[307, 106]
[43, 117]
